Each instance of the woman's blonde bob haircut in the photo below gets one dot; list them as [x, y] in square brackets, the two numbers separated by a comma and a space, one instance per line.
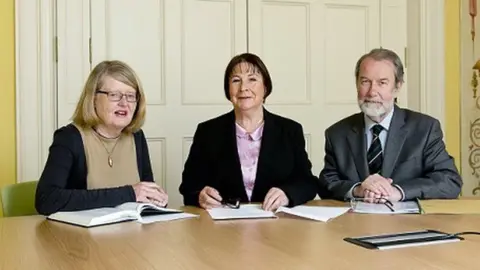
[85, 115]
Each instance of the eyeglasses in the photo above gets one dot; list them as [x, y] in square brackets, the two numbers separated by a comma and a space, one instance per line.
[382, 200]
[117, 96]
[231, 203]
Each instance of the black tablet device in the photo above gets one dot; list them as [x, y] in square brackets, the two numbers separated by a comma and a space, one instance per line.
[405, 239]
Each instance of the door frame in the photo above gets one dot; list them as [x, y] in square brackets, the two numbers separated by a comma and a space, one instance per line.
[35, 59]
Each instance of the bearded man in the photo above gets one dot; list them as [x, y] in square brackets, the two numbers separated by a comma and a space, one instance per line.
[386, 152]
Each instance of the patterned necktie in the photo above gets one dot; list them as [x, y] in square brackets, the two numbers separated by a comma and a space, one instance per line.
[374, 154]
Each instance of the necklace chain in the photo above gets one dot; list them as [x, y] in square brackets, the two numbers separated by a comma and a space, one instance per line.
[109, 160]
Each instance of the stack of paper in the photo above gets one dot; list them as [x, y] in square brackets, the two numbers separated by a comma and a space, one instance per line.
[319, 213]
[409, 207]
[255, 211]
[245, 211]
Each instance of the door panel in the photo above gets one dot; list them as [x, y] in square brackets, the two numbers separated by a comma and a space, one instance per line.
[180, 50]
[311, 48]
[73, 66]
[394, 36]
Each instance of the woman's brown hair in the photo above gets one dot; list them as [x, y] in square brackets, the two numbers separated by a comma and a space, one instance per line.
[85, 114]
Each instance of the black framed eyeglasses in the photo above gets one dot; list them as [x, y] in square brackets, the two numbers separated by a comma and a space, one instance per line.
[117, 96]
[231, 203]
[382, 200]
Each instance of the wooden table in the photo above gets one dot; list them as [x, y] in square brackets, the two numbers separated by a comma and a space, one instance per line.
[283, 243]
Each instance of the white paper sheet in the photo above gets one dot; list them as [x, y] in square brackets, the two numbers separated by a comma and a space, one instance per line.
[409, 207]
[319, 213]
[165, 217]
[244, 212]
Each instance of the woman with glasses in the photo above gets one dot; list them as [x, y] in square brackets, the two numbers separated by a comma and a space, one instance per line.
[248, 154]
[101, 159]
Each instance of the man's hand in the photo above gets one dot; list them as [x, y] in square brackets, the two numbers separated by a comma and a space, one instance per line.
[375, 187]
[396, 195]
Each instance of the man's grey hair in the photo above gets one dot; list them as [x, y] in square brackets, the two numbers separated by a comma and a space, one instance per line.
[380, 54]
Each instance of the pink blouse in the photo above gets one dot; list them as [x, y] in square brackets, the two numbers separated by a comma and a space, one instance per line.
[248, 146]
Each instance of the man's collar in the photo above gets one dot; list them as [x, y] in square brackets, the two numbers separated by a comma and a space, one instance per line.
[385, 123]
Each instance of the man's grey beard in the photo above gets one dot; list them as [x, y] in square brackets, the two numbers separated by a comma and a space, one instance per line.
[372, 109]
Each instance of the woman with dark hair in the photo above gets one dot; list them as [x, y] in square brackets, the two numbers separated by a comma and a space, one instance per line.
[248, 154]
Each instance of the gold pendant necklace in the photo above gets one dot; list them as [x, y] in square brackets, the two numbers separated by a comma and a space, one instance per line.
[109, 160]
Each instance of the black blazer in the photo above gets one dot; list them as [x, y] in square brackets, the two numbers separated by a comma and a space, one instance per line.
[414, 157]
[63, 183]
[283, 162]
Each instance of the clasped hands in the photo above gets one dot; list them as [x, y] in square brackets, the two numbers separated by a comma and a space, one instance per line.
[149, 192]
[210, 198]
[375, 188]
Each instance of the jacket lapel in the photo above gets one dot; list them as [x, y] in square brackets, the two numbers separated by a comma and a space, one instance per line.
[266, 153]
[234, 170]
[356, 141]
[395, 140]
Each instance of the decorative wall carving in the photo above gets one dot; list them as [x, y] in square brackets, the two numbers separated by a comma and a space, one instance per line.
[473, 114]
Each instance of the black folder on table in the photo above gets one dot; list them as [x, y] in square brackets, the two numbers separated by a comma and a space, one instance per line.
[405, 239]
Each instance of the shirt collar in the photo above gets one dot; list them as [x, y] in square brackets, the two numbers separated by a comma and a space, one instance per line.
[385, 123]
[256, 135]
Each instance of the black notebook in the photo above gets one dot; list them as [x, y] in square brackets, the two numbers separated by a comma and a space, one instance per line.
[401, 240]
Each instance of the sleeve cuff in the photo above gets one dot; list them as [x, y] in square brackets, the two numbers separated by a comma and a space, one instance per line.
[401, 191]
[349, 194]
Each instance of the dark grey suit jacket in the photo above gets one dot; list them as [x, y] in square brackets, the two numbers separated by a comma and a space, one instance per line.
[414, 157]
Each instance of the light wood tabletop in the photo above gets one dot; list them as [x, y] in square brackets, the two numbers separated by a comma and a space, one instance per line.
[200, 243]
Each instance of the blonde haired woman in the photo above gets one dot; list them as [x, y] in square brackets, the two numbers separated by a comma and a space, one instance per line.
[102, 158]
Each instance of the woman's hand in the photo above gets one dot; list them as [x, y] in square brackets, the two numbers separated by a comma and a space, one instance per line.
[274, 199]
[149, 192]
[209, 198]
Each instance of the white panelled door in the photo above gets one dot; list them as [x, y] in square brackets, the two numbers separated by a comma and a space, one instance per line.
[180, 49]
[73, 55]
[311, 48]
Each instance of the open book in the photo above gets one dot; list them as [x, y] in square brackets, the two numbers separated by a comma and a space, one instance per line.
[142, 212]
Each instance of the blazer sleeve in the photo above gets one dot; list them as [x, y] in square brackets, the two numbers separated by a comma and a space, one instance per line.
[146, 165]
[54, 192]
[331, 183]
[303, 185]
[196, 168]
[441, 179]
